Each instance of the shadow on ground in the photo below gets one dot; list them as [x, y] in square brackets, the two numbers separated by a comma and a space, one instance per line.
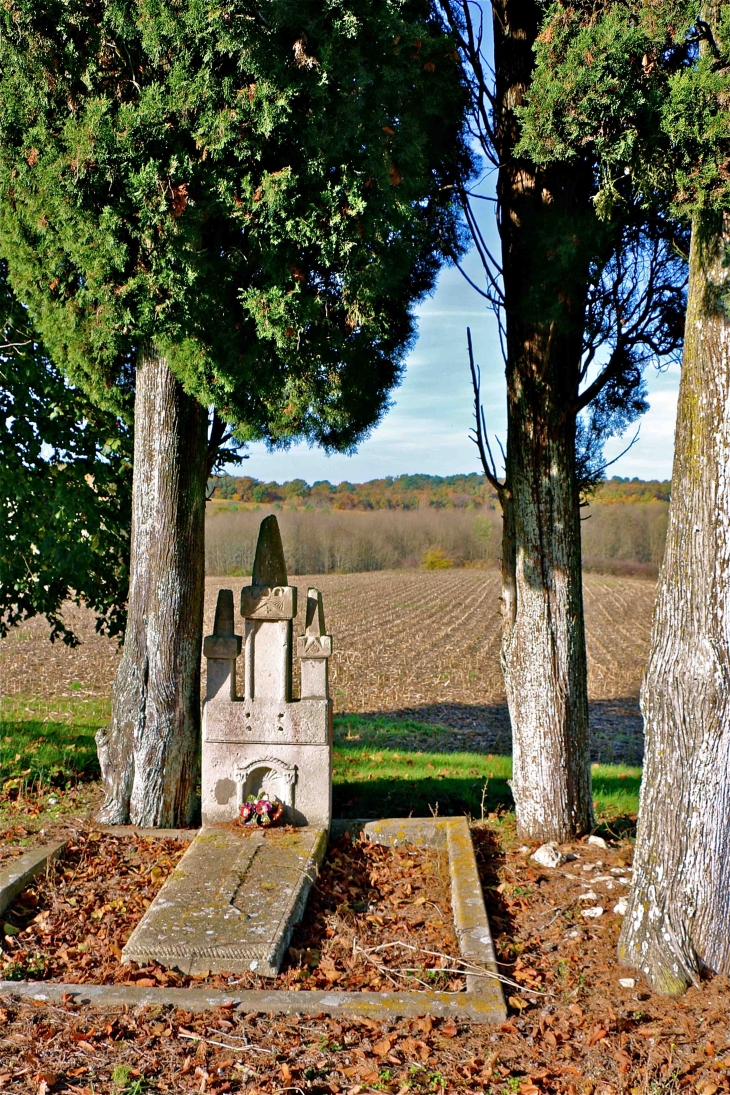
[615, 725]
[446, 797]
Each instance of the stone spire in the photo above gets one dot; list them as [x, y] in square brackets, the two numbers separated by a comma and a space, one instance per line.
[269, 605]
[314, 648]
[269, 565]
[222, 648]
[269, 597]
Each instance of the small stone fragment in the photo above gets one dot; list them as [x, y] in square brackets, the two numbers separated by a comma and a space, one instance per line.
[548, 855]
[627, 982]
[594, 913]
[598, 841]
[588, 866]
[621, 906]
[590, 896]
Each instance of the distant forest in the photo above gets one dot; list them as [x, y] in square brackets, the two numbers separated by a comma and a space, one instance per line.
[418, 521]
[407, 492]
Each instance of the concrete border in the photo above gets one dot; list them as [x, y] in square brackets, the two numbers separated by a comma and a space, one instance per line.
[467, 901]
[469, 1007]
[13, 879]
[153, 834]
[483, 1001]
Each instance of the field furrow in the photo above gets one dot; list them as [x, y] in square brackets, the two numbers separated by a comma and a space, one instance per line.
[420, 644]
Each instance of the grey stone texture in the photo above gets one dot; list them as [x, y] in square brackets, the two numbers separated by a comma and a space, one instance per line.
[15, 877]
[233, 900]
[373, 1005]
[231, 903]
[264, 740]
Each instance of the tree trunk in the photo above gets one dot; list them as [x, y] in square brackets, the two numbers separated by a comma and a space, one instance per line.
[149, 752]
[543, 642]
[678, 919]
[543, 230]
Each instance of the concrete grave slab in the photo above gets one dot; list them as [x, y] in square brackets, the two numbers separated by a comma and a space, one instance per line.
[15, 877]
[231, 903]
[226, 859]
[467, 901]
[383, 1006]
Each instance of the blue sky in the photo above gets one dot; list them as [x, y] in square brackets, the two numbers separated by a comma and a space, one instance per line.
[427, 429]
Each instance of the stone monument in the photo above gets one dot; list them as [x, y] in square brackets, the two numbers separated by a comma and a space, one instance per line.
[231, 904]
[265, 741]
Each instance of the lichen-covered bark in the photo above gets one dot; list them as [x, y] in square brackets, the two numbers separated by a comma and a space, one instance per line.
[543, 646]
[545, 283]
[149, 752]
[678, 919]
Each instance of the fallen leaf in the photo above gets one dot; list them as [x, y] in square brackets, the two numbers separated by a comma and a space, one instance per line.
[596, 1034]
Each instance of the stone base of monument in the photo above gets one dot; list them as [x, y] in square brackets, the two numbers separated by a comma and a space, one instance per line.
[231, 904]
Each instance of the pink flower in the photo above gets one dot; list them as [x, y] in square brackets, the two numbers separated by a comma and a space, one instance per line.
[247, 811]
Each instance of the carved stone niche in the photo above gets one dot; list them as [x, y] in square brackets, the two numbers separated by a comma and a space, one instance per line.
[266, 740]
[268, 775]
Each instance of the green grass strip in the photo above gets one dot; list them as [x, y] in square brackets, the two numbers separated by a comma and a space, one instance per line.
[381, 767]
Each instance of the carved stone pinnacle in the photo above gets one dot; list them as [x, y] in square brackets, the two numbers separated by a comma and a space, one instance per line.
[269, 565]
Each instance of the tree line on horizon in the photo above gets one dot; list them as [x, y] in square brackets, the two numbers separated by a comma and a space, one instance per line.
[411, 492]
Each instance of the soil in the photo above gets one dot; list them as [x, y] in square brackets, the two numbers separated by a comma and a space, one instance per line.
[573, 1028]
[436, 659]
[377, 919]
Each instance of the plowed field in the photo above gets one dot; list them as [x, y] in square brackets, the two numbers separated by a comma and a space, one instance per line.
[421, 645]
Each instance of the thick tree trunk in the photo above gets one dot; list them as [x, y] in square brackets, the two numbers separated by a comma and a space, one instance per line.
[545, 284]
[543, 645]
[678, 919]
[149, 752]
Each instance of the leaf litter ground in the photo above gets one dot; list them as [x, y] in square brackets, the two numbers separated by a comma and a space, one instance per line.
[573, 1028]
[377, 919]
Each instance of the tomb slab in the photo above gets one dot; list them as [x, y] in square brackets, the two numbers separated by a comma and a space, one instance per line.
[232, 902]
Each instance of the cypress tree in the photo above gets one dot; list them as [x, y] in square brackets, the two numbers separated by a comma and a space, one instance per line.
[244, 201]
[648, 87]
[583, 306]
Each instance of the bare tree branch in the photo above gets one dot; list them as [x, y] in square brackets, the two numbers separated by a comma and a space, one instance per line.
[479, 434]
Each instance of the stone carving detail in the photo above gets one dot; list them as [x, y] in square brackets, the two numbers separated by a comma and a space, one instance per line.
[266, 740]
[309, 646]
[278, 779]
[269, 603]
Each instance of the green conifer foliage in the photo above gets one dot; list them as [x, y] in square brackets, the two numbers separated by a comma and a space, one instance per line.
[242, 200]
[263, 190]
[65, 489]
[630, 82]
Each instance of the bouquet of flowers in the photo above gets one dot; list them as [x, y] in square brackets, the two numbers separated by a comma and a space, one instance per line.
[261, 811]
